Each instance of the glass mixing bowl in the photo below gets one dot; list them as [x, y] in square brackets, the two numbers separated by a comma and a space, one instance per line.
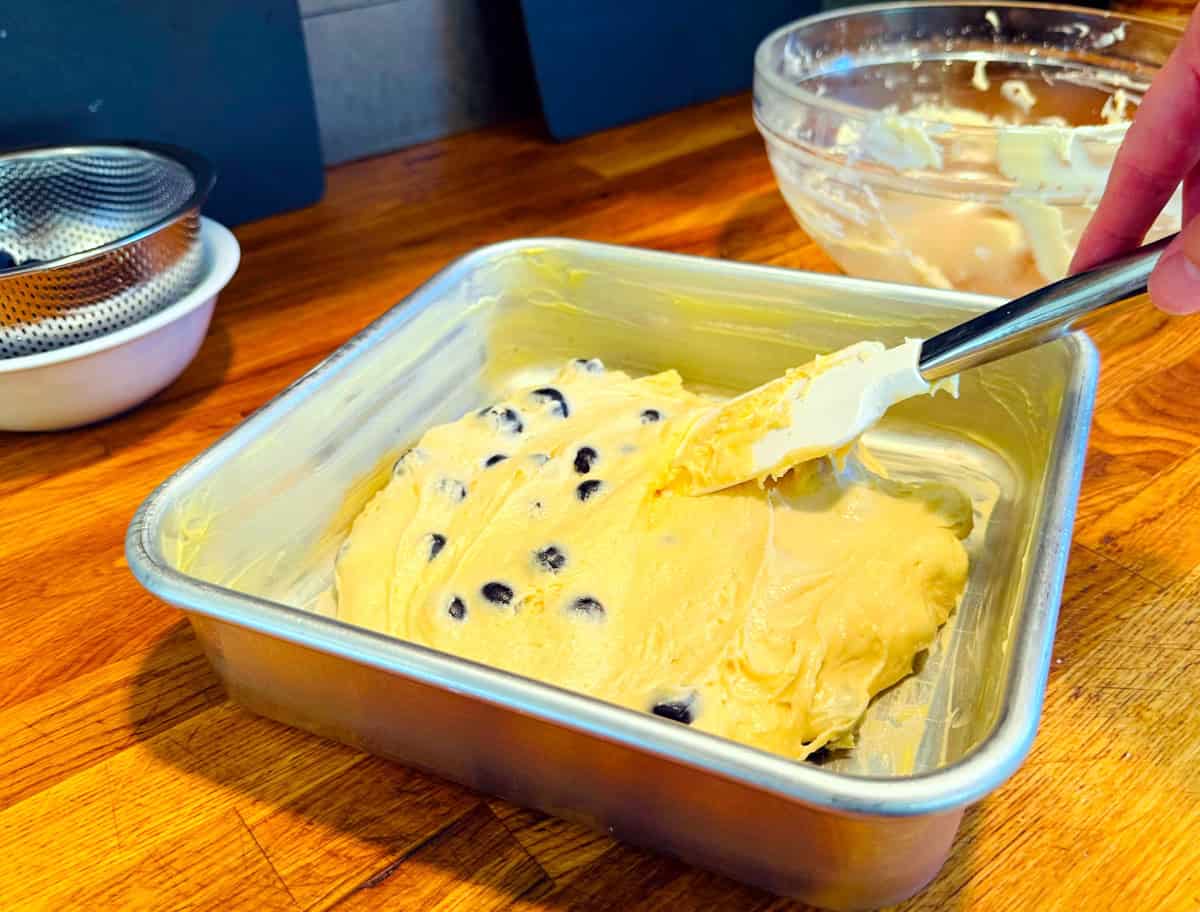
[956, 145]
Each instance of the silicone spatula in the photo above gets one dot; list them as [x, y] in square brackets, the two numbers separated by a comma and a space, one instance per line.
[824, 406]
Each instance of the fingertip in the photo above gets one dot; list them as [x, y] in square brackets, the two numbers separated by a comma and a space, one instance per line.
[1175, 284]
[1089, 251]
[1098, 245]
[1081, 261]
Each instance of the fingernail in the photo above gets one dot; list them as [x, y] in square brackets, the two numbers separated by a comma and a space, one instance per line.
[1175, 285]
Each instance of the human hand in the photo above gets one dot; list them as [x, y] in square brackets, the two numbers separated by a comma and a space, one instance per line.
[1161, 149]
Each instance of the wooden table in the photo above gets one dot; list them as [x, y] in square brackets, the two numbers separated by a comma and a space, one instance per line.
[128, 781]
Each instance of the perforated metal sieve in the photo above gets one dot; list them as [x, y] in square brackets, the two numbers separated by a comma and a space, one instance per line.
[95, 238]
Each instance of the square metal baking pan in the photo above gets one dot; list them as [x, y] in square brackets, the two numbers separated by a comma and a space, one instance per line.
[244, 538]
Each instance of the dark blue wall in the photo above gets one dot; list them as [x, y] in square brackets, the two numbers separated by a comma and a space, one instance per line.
[604, 62]
[228, 78]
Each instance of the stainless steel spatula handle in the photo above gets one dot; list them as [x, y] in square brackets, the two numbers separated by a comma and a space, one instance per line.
[1039, 316]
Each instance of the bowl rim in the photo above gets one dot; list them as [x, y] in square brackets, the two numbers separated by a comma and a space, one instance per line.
[222, 253]
[201, 171]
[763, 71]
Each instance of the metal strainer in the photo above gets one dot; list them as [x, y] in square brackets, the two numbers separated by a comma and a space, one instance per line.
[95, 238]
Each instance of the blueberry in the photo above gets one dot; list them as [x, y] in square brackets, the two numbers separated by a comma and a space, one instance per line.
[436, 544]
[675, 710]
[550, 558]
[507, 419]
[494, 459]
[457, 608]
[649, 416]
[558, 401]
[454, 489]
[7, 260]
[589, 606]
[590, 365]
[405, 462]
[497, 593]
[587, 488]
[585, 458]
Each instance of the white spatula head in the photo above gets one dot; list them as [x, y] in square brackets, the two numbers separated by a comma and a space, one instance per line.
[823, 407]
[811, 411]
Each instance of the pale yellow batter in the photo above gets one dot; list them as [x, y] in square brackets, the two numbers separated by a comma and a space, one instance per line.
[541, 536]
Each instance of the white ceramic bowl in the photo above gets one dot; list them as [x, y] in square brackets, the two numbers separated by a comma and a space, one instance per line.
[97, 379]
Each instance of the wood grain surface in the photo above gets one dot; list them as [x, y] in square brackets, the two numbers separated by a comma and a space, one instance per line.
[127, 781]
[1173, 12]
